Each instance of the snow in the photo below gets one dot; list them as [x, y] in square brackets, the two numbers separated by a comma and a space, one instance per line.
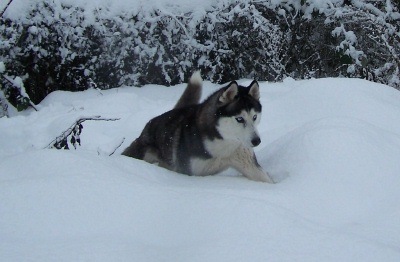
[19, 8]
[2, 67]
[333, 145]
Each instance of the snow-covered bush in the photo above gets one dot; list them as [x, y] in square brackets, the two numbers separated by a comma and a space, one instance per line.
[58, 45]
[50, 48]
[240, 40]
[161, 47]
[370, 36]
[341, 38]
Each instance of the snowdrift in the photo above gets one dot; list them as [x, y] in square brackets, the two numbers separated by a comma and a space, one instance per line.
[333, 145]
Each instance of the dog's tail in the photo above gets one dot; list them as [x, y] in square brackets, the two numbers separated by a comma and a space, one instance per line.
[192, 93]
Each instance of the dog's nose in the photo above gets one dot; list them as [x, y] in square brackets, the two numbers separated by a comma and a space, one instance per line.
[256, 141]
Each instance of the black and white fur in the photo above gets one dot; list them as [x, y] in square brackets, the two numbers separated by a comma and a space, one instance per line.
[206, 138]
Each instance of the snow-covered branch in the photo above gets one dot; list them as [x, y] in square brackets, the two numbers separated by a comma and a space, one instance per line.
[22, 99]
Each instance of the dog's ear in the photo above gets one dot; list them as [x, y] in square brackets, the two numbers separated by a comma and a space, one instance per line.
[254, 90]
[230, 93]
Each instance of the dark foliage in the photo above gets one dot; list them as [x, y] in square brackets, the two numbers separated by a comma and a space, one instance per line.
[52, 50]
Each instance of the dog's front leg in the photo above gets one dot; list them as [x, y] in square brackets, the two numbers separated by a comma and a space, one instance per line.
[244, 160]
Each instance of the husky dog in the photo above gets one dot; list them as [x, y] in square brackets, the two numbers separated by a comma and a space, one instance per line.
[206, 138]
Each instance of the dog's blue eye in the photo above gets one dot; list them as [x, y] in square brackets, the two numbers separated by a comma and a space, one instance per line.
[239, 119]
[254, 117]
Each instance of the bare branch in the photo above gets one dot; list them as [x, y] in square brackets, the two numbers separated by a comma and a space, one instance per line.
[5, 8]
[61, 142]
[8, 4]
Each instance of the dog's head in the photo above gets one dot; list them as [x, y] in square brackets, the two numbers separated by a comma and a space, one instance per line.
[239, 112]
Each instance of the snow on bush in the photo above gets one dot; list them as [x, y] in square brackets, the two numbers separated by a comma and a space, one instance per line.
[69, 45]
[2, 67]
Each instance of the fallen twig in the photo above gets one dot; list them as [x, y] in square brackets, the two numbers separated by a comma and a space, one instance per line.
[119, 145]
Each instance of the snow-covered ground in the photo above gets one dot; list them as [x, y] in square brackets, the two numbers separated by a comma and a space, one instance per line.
[333, 145]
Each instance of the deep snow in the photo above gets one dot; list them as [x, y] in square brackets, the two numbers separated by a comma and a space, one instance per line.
[333, 145]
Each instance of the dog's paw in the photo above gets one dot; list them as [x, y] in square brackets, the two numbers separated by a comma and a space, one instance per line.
[267, 178]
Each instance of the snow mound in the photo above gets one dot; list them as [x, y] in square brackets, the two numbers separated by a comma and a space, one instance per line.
[333, 145]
